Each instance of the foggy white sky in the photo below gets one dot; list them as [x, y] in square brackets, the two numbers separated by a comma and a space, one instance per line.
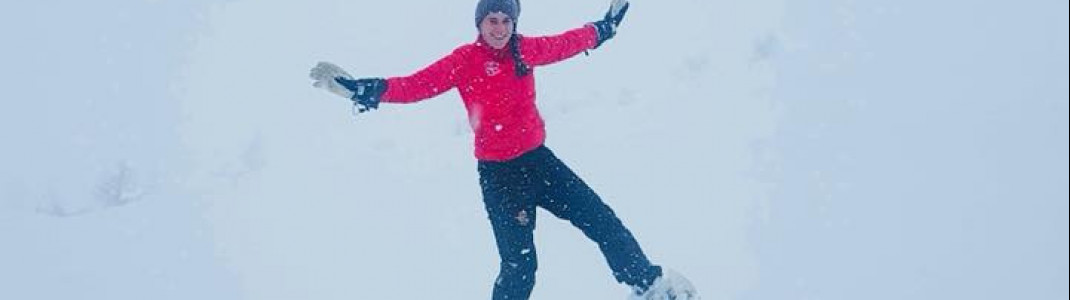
[768, 149]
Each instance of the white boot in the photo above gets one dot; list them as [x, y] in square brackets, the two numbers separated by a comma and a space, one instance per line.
[670, 286]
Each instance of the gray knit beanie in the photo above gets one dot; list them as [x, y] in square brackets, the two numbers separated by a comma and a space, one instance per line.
[510, 8]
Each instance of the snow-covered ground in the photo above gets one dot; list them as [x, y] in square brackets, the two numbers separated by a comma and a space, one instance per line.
[767, 149]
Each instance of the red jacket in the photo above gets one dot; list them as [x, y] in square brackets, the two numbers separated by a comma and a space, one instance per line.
[501, 106]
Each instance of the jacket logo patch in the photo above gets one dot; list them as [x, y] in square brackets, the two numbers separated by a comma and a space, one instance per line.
[492, 68]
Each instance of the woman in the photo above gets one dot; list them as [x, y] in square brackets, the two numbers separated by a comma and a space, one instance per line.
[495, 76]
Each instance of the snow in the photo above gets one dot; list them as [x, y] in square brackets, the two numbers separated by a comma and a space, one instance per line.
[765, 149]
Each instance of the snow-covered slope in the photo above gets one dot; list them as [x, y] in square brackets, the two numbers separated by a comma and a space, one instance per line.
[766, 149]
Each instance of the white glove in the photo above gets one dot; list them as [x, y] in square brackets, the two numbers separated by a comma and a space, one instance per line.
[324, 73]
[615, 7]
[607, 26]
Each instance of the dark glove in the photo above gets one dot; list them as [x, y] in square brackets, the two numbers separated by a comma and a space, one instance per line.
[607, 26]
[366, 91]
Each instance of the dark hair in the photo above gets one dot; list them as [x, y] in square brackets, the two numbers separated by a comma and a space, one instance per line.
[522, 69]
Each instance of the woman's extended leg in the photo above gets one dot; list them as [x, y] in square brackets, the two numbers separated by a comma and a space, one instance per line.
[568, 197]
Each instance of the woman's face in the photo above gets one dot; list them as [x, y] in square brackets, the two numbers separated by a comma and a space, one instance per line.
[496, 29]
